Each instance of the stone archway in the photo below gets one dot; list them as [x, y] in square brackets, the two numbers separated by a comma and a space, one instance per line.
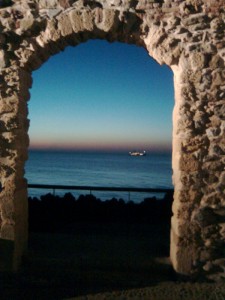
[188, 36]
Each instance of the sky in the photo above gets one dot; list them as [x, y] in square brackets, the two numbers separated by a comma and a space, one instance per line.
[101, 96]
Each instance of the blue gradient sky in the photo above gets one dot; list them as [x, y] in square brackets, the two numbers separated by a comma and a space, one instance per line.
[101, 96]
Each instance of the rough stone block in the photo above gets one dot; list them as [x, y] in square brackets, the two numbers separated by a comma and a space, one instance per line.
[181, 257]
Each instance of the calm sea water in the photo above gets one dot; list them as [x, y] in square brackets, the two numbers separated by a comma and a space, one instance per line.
[99, 169]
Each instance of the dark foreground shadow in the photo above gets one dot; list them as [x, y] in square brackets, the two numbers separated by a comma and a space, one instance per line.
[92, 256]
[6, 252]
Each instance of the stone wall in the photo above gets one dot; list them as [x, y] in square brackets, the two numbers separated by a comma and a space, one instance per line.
[189, 37]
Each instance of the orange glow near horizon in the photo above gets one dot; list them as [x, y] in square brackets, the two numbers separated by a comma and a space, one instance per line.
[99, 146]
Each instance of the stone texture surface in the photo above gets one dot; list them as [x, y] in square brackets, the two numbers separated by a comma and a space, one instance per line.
[189, 37]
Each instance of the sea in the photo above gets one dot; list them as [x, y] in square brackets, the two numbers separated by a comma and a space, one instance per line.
[100, 169]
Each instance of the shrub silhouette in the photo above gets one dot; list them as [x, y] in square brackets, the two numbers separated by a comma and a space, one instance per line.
[51, 213]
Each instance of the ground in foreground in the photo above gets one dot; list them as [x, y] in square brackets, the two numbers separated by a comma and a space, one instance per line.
[120, 261]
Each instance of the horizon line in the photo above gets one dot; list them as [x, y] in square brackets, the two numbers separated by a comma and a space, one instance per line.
[94, 149]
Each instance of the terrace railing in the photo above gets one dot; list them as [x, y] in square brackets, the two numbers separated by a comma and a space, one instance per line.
[55, 187]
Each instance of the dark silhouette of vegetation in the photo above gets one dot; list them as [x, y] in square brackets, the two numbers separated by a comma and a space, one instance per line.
[52, 213]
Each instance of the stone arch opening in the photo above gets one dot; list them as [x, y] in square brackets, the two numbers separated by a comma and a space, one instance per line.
[185, 36]
[125, 196]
